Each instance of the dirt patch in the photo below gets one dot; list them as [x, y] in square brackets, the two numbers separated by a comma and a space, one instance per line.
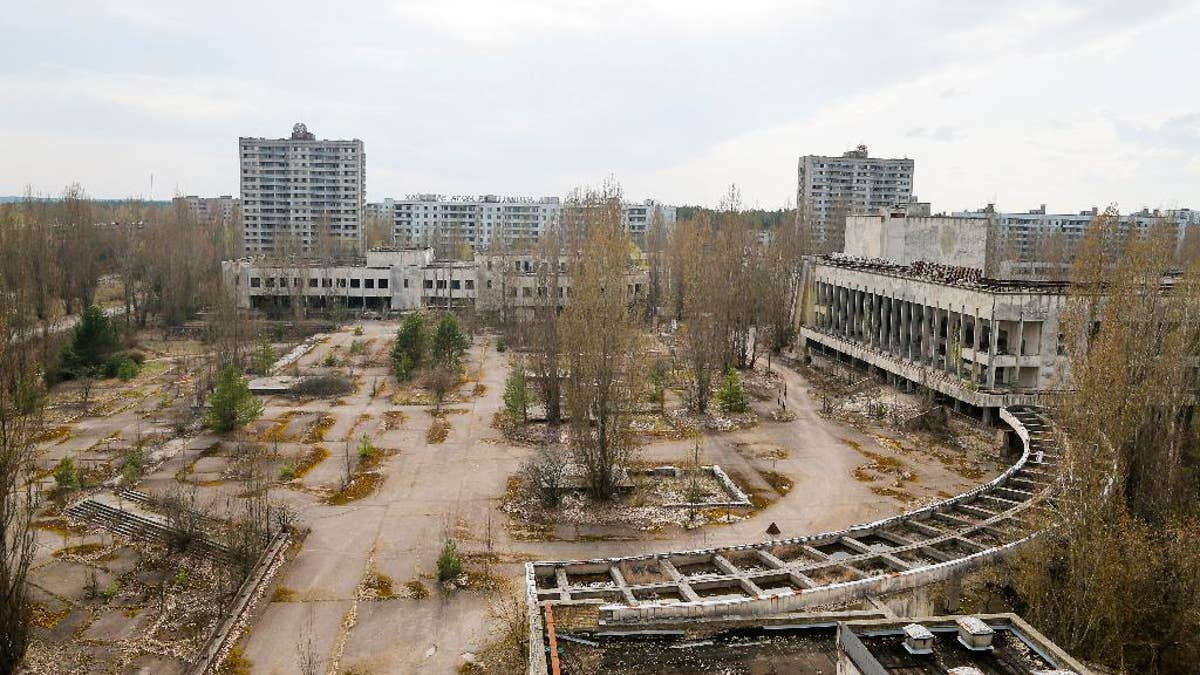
[393, 419]
[439, 429]
[778, 482]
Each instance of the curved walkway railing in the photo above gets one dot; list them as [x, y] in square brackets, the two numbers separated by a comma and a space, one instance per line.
[913, 549]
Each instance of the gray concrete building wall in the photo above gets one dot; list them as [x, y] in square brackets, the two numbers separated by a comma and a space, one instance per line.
[982, 343]
[293, 187]
[429, 219]
[407, 279]
[962, 242]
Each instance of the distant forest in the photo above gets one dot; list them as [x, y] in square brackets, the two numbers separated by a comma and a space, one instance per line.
[763, 219]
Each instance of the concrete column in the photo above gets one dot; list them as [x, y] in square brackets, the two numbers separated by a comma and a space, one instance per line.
[994, 337]
[894, 329]
[977, 331]
[962, 340]
[858, 316]
[880, 323]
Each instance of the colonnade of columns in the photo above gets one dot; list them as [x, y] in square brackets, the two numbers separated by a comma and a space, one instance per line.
[927, 335]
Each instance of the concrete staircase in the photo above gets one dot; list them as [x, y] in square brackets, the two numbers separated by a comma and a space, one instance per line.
[131, 520]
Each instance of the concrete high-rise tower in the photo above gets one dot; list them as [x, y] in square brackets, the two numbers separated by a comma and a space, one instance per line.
[297, 190]
[831, 188]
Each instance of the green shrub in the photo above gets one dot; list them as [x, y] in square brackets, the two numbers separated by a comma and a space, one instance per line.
[358, 331]
[135, 463]
[95, 338]
[449, 563]
[516, 394]
[366, 450]
[321, 386]
[263, 357]
[330, 360]
[449, 342]
[110, 591]
[357, 347]
[65, 474]
[409, 349]
[123, 366]
[232, 403]
[287, 471]
[731, 396]
[501, 345]
[181, 578]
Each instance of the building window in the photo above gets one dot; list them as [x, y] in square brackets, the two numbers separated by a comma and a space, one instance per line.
[312, 283]
[429, 283]
[255, 282]
[327, 283]
[355, 283]
[527, 292]
[370, 283]
[470, 284]
[455, 284]
[383, 283]
[341, 283]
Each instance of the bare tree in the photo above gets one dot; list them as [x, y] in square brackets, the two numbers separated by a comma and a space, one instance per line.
[545, 329]
[1119, 580]
[602, 339]
[20, 421]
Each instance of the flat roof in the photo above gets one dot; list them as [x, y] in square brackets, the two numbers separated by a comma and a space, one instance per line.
[946, 275]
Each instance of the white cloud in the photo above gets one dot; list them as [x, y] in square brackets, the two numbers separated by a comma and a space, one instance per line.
[1015, 100]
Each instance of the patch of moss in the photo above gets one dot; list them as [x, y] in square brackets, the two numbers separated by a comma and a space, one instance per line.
[361, 486]
[53, 434]
[316, 431]
[778, 482]
[42, 617]
[235, 663]
[416, 589]
[81, 550]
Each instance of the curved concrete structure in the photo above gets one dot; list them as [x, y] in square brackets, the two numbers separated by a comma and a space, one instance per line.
[913, 549]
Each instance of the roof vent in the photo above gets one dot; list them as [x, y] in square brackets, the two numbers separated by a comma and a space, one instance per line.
[918, 639]
[974, 634]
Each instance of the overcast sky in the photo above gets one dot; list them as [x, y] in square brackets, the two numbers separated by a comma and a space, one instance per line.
[1069, 103]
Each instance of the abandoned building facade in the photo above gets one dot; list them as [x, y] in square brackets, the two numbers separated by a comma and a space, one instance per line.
[925, 301]
[476, 221]
[298, 189]
[405, 279]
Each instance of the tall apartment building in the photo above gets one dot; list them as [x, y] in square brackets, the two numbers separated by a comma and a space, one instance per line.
[210, 209]
[296, 188]
[1027, 236]
[431, 219]
[831, 188]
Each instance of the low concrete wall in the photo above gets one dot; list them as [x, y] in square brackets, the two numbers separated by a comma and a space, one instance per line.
[775, 603]
[227, 632]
